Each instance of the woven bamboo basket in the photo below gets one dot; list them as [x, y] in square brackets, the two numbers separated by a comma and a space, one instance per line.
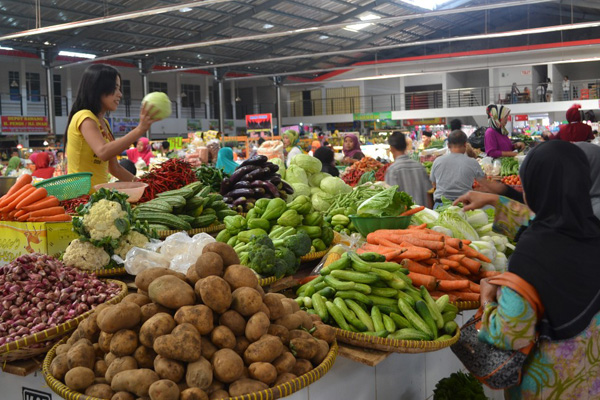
[215, 228]
[393, 345]
[466, 305]
[273, 393]
[41, 342]
[102, 273]
[269, 280]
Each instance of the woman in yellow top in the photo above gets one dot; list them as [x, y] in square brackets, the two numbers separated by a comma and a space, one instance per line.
[90, 144]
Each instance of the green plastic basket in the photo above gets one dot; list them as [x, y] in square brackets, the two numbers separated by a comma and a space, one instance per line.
[67, 186]
[366, 225]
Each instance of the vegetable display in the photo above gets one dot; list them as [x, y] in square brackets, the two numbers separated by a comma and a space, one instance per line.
[364, 293]
[217, 333]
[170, 175]
[512, 180]
[211, 176]
[72, 204]
[353, 173]
[256, 178]
[509, 166]
[40, 292]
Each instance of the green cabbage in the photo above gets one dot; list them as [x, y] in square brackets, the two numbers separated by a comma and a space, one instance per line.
[160, 102]
[477, 218]
[281, 164]
[321, 201]
[427, 216]
[314, 190]
[333, 185]
[454, 219]
[296, 174]
[300, 189]
[389, 202]
[315, 179]
[308, 163]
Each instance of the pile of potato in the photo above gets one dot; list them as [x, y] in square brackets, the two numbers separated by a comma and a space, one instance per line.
[209, 335]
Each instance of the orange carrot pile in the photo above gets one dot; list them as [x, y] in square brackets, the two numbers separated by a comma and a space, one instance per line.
[444, 265]
[25, 203]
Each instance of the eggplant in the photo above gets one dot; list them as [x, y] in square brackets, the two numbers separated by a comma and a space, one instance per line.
[268, 186]
[287, 188]
[282, 194]
[228, 200]
[240, 201]
[250, 201]
[273, 167]
[239, 173]
[256, 160]
[275, 179]
[225, 186]
[257, 174]
[236, 193]
[242, 185]
[259, 191]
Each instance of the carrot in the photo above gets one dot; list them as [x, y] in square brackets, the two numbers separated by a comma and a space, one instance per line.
[11, 215]
[429, 261]
[473, 266]
[488, 274]
[435, 236]
[20, 213]
[466, 296]
[412, 211]
[472, 253]
[440, 273]
[453, 242]
[23, 180]
[437, 294]
[450, 250]
[450, 263]
[414, 266]
[51, 218]
[23, 217]
[428, 244]
[15, 196]
[453, 285]
[49, 201]
[422, 226]
[465, 241]
[37, 194]
[47, 212]
[461, 270]
[416, 253]
[474, 287]
[456, 257]
[419, 279]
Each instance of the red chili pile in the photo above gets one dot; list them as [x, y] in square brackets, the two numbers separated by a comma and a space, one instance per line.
[72, 204]
[380, 174]
[170, 175]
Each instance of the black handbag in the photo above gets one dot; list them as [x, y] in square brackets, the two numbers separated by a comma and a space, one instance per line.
[494, 367]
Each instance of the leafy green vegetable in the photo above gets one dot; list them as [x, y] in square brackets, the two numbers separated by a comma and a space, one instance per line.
[459, 386]
[477, 218]
[296, 174]
[454, 219]
[315, 179]
[390, 202]
[334, 185]
[308, 163]
[300, 189]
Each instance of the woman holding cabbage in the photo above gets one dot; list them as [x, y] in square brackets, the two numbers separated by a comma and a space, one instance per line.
[90, 144]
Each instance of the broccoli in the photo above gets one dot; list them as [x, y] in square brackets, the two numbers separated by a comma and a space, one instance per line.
[261, 255]
[290, 260]
[300, 243]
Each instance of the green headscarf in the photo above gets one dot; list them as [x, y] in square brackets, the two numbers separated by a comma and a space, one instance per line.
[13, 164]
[294, 139]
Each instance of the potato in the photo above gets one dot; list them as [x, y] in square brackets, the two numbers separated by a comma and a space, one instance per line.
[144, 356]
[240, 276]
[193, 394]
[241, 344]
[208, 264]
[267, 349]
[223, 338]
[164, 390]
[260, 291]
[234, 321]
[63, 348]
[100, 390]
[219, 394]
[226, 252]
[81, 354]
[227, 365]
[295, 307]
[290, 321]
[183, 344]
[192, 276]
[171, 292]
[315, 318]
[273, 302]
[100, 368]
[124, 343]
[246, 385]
[136, 381]
[149, 310]
[324, 332]
[301, 367]
[144, 278]
[119, 316]
[158, 325]
[89, 329]
[98, 351]
[100, 380]
[305, 348]
[215, 293]
[139, 299]
[284, 363]
[169, 369]
[300, 334]
[200, 316]
[257, 325]
[281, 332]
[120, 364]
[246, 301]
[104, 341]
[199, 374]
[59, 366]
[321, 353]
[285, 377]
[208, 348]
[109, 358]
[264, 372]
[79, 378]
[307, 322]
[123, 396]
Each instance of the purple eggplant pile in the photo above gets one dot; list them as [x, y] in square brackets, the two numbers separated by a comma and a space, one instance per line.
[256, 178]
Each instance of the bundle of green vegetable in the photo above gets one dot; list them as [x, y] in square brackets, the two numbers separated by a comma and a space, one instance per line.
[211, 176]
[192, 206]
[509, 166]
[459, 386]
[363, 293]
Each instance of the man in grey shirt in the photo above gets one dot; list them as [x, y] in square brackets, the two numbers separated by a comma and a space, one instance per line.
[453, 174]
[409, 175]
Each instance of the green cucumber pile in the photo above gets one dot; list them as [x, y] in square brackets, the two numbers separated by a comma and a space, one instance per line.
[363, 293]
[193, 206]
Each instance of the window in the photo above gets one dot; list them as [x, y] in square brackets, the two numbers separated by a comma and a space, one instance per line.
[158, 87]
[190, 95]
[126, 90]
[32, 79]
[15, 85]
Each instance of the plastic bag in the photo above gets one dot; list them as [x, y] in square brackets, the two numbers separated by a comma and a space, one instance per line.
[477, 138]
[176, 244]
[497, 167]
[184, 260]
[138, 260]
[271, 149]
[487, 164]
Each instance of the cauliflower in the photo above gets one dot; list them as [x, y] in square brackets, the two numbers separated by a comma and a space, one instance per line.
[127, 242]
[106, 219]
[86, 256]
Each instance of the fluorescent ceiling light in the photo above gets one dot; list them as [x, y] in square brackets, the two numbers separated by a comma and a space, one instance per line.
[76, 54]
[323, 37]
[358, 27]
[267, 26]
[6, 48]
[185, 9]
[428, 4]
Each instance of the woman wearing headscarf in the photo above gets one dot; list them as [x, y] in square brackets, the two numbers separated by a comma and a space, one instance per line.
[496, 140]
[325, 155]
[313, 147]
[13, 167]
[42, 166]
[142, 150]
[592, 152]
[575, 130]
[352, 152]
[290, 142]
[225, 160]
[558, 255]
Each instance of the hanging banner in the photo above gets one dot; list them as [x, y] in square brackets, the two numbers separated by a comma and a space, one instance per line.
[259, 123]
[372, 116]
[521, 117]
[121, 126]
[25, 124]
[175, 142]
[426, 121]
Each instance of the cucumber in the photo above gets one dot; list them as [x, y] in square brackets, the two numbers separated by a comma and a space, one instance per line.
[174, 201]
[377, 319]
[414, 318]
[384, 292]
[406, 297]
[327, 292]
[354, 295]
[155, 205]
[358, 277]
[441, 302]
[340, 264]
[339, 285]
[169, 220]
[450, 327]
[388, 309]
[360, 313]
[389, 323]
[187, 193]
[337, 315]
[372, 257]
[400, 321]
[383, 301]
[221, 214]
[350, 316]
[381, 334]
[195, 186]
[448, 316]
[319, 305]
[409, 334]
[203, 220]
[433, 308]
[423, 311]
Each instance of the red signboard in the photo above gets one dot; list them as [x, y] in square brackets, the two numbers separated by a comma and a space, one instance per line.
[521, 117]
[25, 124]
[259, 122]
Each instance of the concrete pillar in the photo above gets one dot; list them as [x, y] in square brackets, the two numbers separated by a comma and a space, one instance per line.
[23, 83]
[178, 94]
[232, 99]
[255, 105]
[221, 106]
[402, 94]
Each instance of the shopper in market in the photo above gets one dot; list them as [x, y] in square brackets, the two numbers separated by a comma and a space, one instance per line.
[142, 150]
[291, 139]
[426, 138]
[566, 87]
[313, 147]
[43, 169]
[410, 176]
[453, 174]
[351, 149]
[225, 160]
[497, 142]
[90, 145]
[575, 130]
[326, 156]
[13, 167]
[558, 254]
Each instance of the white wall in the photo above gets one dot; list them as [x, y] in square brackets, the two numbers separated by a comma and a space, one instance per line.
[421, 80]
[382, 86]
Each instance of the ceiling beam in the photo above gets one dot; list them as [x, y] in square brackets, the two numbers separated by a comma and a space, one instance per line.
[582, 3]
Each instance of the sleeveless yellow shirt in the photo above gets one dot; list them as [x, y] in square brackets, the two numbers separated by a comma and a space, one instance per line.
[80, 156]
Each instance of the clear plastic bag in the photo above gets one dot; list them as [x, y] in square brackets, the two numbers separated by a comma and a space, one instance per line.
[185, 259]
[177, 243]
[497, 166]
[487, 164]
[138, 260]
